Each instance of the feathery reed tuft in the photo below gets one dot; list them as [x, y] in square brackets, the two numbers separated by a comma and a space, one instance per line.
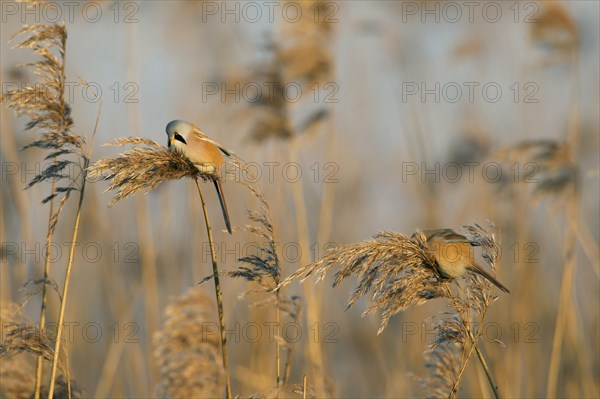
[555, 29]
[399, 270]
[263, 268]
[299, 57]
[142, 168]
[16, 373]
[553, 170]
[187, 349]
[45, 105]
[19, 338]
[443, 358]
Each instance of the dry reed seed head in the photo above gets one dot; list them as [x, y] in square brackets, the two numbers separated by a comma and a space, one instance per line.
[473, 145]
[10, 312]
[263, 267]
[448, 330]
[399, 271]
[443, 365]
[143, 168]
[554, 28]
[553, 170]
[444, 356]
[396, 269]
[301, 56]
[303, 46]
[479, 295]
[273, 121]
[187, 349]
[17, 377]
[32, 287]
[43, 102]
[20, 338]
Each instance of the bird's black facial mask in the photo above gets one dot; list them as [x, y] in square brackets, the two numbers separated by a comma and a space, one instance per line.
[179, 137]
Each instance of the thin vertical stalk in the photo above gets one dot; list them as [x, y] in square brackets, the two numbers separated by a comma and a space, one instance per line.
[287, 369]
[277, 347]
[40, 358]
[564, 301]
[483, 362]
[570, 238]
[304, 387]
[312, 304]
[218, 294]
[63, 303]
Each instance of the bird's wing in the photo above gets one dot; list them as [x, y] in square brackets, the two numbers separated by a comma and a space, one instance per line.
[456, 237]
[200, 150]
[198, 135]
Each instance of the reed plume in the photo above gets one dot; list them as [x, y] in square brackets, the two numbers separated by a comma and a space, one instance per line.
[555, 30]
[45, 105]
[142, 168]
[298, 56]
[556, 177]
[546, 164]
[187, 349]
[264, 268]
[399, 271]
[444, 358]
[17, 373]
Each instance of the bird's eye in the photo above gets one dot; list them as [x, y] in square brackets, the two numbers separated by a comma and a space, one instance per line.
[179, 137]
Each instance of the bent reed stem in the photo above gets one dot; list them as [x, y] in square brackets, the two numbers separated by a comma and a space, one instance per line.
[218, 294]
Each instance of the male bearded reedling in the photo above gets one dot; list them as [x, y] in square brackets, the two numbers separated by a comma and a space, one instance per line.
[204, 153]
[454, 255]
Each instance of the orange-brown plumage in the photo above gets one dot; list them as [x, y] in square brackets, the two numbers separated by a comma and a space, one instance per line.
[207, 155]
[454, 255]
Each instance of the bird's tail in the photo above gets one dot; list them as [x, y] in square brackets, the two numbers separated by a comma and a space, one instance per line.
[221, 196]
[477, 269]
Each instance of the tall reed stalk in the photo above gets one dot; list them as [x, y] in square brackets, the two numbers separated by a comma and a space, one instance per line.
[45, 105]
[218, 294]
[40, 359]
[73, 243]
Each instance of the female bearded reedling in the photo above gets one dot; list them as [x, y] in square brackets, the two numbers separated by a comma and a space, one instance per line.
[454, 255]
[204, 153]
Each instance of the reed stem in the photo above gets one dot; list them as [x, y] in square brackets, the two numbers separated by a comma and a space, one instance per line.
[564, 301]
[218, 294]
[63, 302]
[40, 358]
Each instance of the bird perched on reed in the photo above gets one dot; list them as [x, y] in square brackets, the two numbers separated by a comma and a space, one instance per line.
[204, 153]
[454, 255]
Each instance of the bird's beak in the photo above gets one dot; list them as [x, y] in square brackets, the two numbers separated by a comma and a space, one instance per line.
[171, 140]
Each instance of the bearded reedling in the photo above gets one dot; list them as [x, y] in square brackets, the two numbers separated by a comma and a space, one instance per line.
[454, 255]
[207, 155]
